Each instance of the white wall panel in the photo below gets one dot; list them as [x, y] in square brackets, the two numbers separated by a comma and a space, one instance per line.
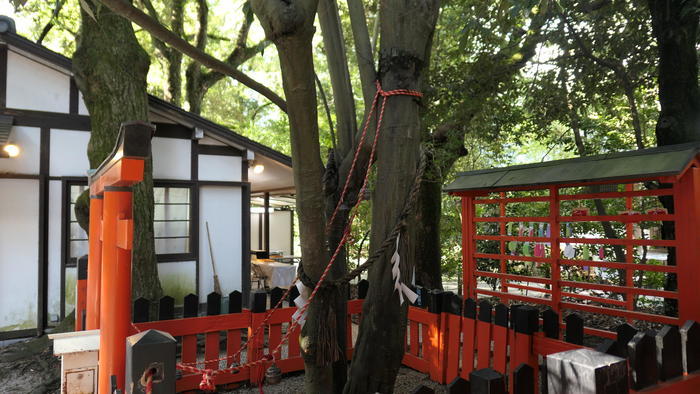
[281, 232]
[29, 141]
[54, 251]
[32, 85]
[178, 279]
[171, 158]
[219, 168]
[69, 153]
[255, 225]
[221, 207]
[19, 254]
[82, 109]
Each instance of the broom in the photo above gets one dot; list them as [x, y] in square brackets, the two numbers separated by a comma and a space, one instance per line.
[217, 285]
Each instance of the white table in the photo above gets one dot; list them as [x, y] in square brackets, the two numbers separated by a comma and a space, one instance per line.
[278, 274]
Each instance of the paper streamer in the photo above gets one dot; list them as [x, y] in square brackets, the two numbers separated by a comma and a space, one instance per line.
[303, 299]
[396, 274]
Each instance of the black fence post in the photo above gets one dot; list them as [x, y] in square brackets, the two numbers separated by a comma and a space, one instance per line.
[235, 302]
[166, 308]
[524, 379]
[259, 302]
[669, 354]
[191, 307]
[423, 389]
[642, 360]
[625, 333]
[293, 294]
[586, 371]
[150, 353]
[487, 381]
[213, 304]
[141, 310]
[574, 329]
[550, 323]
[458, 386]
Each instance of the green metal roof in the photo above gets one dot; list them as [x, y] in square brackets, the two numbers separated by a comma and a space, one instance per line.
[653, 162]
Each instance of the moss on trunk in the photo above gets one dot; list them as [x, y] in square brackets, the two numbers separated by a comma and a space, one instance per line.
[110, 70]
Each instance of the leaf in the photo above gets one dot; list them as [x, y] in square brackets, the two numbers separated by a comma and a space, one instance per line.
[86, 7]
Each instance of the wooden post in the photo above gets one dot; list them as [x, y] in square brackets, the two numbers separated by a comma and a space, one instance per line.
[150, 353]
[642, 361]
[255, 350]
[92, 321]
[115, 295]
[586, 371]
[555, 254]
[487, 381]
[468, 287]
[687, 209]
[525, 324]
[690, 340]
[468, 336]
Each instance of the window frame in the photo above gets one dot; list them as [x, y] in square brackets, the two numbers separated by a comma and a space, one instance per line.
[191, 254]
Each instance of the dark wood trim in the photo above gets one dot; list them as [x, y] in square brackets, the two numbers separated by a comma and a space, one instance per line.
[221, 183]
[192, 254]
[73, 98]
[245, 245]
[23, 117]
[194, 211]
[66, 183]
[3, 75]
[17, 334]
[266, 221]
[43, 268]
[244, 166]
[219, 150]
[172, 130]
[176, 257]
[65, 230]
[260, 231]
[277, 189]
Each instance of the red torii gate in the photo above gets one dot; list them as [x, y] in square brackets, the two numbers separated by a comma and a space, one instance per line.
[108, 298]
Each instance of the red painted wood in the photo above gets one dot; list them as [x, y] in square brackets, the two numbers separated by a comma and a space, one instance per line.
[617, 265]
[619, 289]
[622, 313]
[517, 297]
[544, 346]
[500, 348]
[431, 350]
[80, 303]
[521, 352]
[513, 219]
[619, 218]
[468, 346]
[211, 349]
[189, 349]
[293, 348]
[483, 344]
[197, 325]
[688, 384]
[255, 348]
[233, 343]
[513, 258]
[687, 196]
[454, 330]
[603, 300]
[414, 344]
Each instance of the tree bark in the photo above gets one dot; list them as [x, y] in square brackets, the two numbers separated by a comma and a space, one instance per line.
[407, 29]
[110, 70]
[675, 27]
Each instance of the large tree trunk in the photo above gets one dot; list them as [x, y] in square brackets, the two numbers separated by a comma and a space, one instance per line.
[406, 36]
[675, 27]
[110, 70]
[289, 24]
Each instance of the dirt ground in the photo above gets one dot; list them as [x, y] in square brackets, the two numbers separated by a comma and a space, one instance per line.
[29, 367]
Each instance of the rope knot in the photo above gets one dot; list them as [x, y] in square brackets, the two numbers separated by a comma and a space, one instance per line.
[396, 92]
[207, 384]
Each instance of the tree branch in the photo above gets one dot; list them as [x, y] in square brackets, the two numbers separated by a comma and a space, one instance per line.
[45, 31]
[147, 23]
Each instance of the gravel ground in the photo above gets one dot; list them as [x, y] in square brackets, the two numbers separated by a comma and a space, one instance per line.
[406, 381]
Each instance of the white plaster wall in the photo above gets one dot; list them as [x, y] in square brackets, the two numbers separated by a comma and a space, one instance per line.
[32, 85]
[82, 109]
[178, 279]
[29, 141]
[255, 231]
[19, 237]
[69, 153]
[219, 168]
[54, 280]
[281, 231]
[221, 207]
[171, 158]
